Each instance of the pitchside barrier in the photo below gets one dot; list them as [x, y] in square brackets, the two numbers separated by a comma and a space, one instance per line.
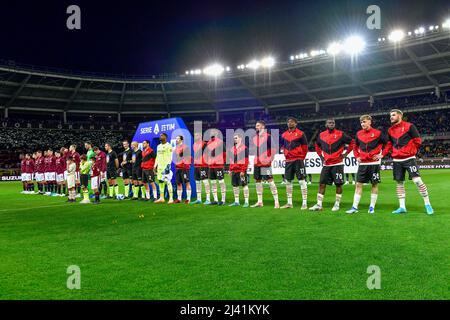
[313, 164]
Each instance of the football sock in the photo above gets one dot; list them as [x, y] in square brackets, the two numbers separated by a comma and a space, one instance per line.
[135, 191]
[198, 189]
[236, 194]
[116, 189]
[422, 190]
[188, 195]
[170, 190]
[97, 196]
[86, 195]
[179, 193]
[247, 193]
[373, 199]
[401, 194]
[259, 191]
[289, 192]
[319, 199]
[127, 190]
[111, 191]
[207, 189]
[147, 193]
[161, 190]
[304, 189]
[223, 189]
[338, 199]
[64, 189]
[274, 190]
[214, 190]
[356, 199]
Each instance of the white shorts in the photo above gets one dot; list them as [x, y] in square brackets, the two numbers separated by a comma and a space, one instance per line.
[27, 176]
[50, 176]
[60, 178]
[23, 177]
[39, 177]
[77, 176]
[65, 175]
[71, 182]
[95, 181]
[102, 176]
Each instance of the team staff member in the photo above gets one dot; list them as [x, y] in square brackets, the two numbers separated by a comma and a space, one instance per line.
[330, 147]
[148, 173]
[126, 167]
[369, 143]
[112, 164]
[136, 171]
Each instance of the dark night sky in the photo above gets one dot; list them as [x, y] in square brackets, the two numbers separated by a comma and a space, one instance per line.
[151, 37]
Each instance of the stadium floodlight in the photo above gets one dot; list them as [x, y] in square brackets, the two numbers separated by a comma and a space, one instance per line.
[198, 71]
[354, 45]
[214, 70]
[409, 33]
[431, 28]
[227, 69]
[335, 48]
[254, 65]
[267, 62]
[396, 36]
[292, 58]
[446, 24]
[187, 72]
[419, 31]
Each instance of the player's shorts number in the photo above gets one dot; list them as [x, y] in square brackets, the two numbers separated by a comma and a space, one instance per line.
[339, 176]
[376, 176]
[220, 175]
[413, 169]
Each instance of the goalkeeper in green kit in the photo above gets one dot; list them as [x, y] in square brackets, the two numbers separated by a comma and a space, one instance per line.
[162, 168]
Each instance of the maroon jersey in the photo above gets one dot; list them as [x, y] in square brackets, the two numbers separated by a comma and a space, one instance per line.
[295, 145]
[330, 145]
[39, 165]
[60, 165]
[49, 163]
[368, 144]
[199, 159]
[264, 152]
[182, 157]
[238, 159]
[404, 141]
[23, 166]
[100, 160]
[76, 158]
[95, 169]
[29, 166]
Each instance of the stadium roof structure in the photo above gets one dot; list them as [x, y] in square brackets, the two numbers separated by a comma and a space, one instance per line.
[415, 66]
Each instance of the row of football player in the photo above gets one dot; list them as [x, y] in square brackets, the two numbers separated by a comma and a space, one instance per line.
[332, 145]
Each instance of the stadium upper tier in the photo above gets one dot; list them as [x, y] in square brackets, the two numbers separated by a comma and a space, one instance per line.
[415, 66]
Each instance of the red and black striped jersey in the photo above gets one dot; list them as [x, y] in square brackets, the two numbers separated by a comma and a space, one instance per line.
[264, 152]
[183, 157]
[294, 145]
[331, 144]
[199, 159]
[148, 159]
[238, 158]
[215, 154]
[403, 140]
[369, 143]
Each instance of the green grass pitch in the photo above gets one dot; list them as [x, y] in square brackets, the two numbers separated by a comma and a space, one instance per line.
[199, 252]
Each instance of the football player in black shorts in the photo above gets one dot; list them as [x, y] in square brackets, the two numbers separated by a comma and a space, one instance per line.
[200, 169]
[136, 171]
[112, 164]
[369, 143]
[404, 142]
[332, 146]
[126, 164]
[238, 160]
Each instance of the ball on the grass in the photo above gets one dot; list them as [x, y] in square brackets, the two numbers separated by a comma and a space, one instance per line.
[120, 197]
